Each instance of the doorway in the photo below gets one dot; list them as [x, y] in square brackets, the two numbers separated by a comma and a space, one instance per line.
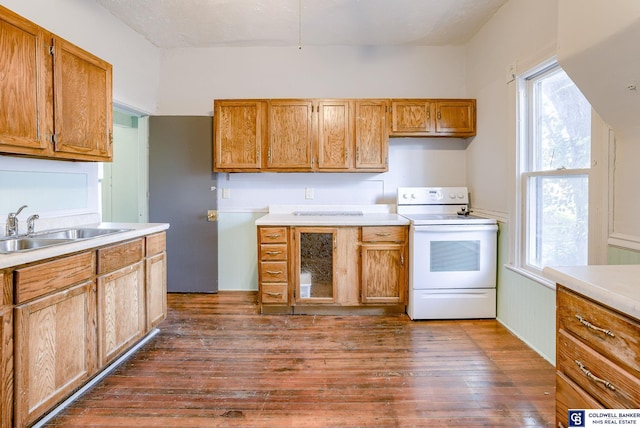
[123, 182]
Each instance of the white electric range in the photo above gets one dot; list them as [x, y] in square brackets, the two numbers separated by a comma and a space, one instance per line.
[452, 255]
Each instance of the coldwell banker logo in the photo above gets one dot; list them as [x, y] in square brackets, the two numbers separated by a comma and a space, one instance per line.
[576, 418]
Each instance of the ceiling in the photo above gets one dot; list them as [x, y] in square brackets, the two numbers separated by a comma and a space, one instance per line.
[225, 23]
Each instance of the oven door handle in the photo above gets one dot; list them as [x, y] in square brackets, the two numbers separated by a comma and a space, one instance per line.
[456, 228]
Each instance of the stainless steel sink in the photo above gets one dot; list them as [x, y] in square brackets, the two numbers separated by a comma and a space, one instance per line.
[14, 245]
[77, 233]
[53, 237]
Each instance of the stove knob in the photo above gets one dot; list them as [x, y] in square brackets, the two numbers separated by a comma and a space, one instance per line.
[461, 195]
[452, 196]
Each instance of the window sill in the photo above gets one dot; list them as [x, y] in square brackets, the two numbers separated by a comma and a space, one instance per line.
[532, 276]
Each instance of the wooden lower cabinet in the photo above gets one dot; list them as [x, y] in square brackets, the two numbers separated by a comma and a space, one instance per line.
[55, 349]
[384, 265]
[597, 356]
[6, 351]
[156, 279]
[121, 311]
[64, 319]
[323, 269]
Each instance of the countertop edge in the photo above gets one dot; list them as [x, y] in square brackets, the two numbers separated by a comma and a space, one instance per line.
[364, 220]
[615, 286]
[137, 230]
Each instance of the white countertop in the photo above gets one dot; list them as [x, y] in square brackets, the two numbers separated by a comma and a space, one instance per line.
[332, 215]
[616, 286]
[137, 229]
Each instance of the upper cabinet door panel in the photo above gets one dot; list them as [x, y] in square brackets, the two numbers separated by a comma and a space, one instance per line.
[456, 117]
[290, 135]
[238, 134]
[334, 135]
[372, 137]
[83, 103]
[22, 85]
[411, 117]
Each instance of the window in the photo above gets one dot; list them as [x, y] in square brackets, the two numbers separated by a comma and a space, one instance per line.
[555, 157]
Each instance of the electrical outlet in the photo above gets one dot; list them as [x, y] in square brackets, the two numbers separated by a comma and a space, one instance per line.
[226, 193]
[308, 193]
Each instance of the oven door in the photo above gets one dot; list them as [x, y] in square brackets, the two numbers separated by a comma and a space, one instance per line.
[452, 256]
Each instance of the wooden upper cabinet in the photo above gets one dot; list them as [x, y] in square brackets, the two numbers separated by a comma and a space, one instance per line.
[239, 131]
[433, 118]
[22, 86]
[56, 98]
[456, 117]
[410, 117]
[371, 135]
[291, 133]
[83, 103]
[335, 144]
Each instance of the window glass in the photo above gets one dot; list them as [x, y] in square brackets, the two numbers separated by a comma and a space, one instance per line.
[562, 127]
[556, 147]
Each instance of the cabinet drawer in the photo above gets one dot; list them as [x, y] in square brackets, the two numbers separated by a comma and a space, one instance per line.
[611, 385]
[273, 271]
[44, 278]
[273, 252]
[120, 255]
[274, 293]
[273, 235]
[384, 234]
[613, 335]
[571, 396]
[156, 244]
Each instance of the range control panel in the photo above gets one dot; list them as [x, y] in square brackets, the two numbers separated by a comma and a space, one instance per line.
[432, 195]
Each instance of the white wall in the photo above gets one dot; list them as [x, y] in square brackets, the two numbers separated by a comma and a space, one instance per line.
[523, 33]
[191, 79]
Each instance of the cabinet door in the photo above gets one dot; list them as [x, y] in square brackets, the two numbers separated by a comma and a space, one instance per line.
[314, 262]
[239, 128]
[23, 95]
[121, 310]
[55, 349]
[156, 289]
[411, 117]
[83, 104]
[456, 117]
[334, 135]
[383, 273]
[372, 138]
[290, 135]
[6, 365]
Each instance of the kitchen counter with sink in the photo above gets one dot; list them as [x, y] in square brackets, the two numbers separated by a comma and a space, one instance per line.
[73, 239]
[332, 215]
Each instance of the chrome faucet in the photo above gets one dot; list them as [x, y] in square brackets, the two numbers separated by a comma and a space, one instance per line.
[31, 223]
[12, 222]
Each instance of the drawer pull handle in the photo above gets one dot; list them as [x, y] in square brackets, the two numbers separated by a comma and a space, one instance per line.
[593, 327]
[273, 294]
[274, 253]
[593, 377]
[273, 235]
[383, 233]
[274, 272]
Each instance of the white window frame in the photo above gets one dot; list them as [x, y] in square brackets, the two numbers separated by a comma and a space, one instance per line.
[524, 159]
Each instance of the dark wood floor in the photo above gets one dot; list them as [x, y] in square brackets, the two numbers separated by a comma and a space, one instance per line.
[217, 362]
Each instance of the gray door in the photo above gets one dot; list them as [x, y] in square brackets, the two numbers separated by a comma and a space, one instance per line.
[181, 191]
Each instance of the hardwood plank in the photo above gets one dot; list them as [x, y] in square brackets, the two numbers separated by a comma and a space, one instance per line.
[218, 362]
